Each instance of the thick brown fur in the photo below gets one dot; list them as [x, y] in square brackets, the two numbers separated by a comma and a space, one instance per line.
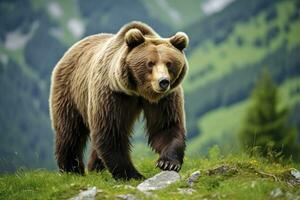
[100, 87]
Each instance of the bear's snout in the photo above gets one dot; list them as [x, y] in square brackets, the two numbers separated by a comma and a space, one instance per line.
[164, 83]
[160, 78]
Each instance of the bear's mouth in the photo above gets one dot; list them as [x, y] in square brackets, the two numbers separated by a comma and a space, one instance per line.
[160, 91]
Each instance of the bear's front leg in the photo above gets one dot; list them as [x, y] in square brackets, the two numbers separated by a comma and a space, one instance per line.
[171, 157]
[165, 123]
[111, 122]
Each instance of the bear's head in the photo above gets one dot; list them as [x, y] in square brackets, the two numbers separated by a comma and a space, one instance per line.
[156, 65]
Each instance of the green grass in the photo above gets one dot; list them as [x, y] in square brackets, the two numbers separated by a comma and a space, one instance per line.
[252, 178]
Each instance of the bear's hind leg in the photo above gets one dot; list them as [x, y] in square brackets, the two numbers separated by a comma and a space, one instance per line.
[95, 163]
[71, 137]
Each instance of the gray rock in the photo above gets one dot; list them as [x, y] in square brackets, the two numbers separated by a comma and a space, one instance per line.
[221, 170]
[159, 181]
[276, 193]
[88, 194]
[292, 177]
[126, 196]
[296, 174]
[193, 177]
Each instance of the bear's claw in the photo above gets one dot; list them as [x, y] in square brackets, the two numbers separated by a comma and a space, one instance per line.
[169, 165]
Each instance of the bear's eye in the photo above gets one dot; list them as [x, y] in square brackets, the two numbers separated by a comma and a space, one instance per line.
[169, 64]
[150, 64]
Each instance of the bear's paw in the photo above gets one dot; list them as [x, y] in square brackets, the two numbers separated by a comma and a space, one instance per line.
[168, 164]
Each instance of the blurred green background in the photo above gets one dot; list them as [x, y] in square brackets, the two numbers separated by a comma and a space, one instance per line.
[231, 41]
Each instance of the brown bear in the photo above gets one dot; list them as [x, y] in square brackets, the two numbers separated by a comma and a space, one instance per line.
[102, 84]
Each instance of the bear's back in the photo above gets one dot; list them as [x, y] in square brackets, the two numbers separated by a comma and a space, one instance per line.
[80, 54]
[72, 71]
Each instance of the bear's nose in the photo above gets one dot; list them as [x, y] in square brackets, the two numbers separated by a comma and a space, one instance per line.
[164, 83]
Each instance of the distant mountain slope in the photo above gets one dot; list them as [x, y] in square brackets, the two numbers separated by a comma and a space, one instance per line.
[27, 53]
[218, 27]
[26, 138]
[175, 13]
[108, 16]
[222, 71]
[220, 126]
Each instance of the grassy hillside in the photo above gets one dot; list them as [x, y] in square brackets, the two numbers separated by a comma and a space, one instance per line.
[177, 13]
[227, 56]
[221, 126]
[246, 178]
[241, 48]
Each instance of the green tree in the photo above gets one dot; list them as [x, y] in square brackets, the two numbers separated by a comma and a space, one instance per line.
[265, 127]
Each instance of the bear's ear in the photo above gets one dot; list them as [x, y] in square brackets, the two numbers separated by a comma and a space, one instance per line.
[180, 40]
[134, 37]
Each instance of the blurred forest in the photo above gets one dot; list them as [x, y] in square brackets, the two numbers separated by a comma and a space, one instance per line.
[265, 129]
[231, 42]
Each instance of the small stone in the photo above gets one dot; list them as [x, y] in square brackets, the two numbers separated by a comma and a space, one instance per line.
[88, 194]
[276, 193]
[186, 190]
[224, 169]
[126, 196]
[159, 181]
[193, 177]
[292, 196]
[296, 174]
